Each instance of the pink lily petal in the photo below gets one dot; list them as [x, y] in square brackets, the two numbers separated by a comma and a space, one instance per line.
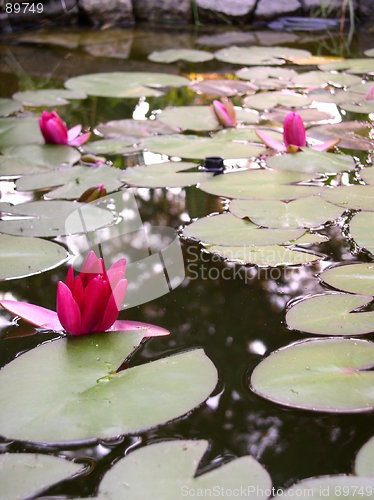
[113, 306]
[325, 146]
[74, 132]
[270, 141]
[56, 133]
[70, 278]
[78, 291]
[131, 326]
[116, 272]
[36, 315]
[67, 310]
[221, 114]
[81, 139]
[96, 295]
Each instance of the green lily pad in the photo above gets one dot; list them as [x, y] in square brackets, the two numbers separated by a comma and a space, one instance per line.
[73, 181]
[332, 487]
[125, 84]
[54, 218]
[173, 55]
[312, 161]
[264, 256]
[27, 475]
[331, 314]
[364, 463]
[267, 76]
[352, 134]
[84, 397]
[247, 134]
[311, 239]
[361, 230]
[360, 66]
[308, 115]
[21, 256]
[268, 100]
[168, 469]
[35, 158]
[9, 106]
[168, 174]
[133, 130]
[110, 147]
[222, 87]
[365, 107]
[259, 185]
[47, 97]
[194, 147]
[357, 197]
[307, 212]
[320, 78]
[253, 56]
[367, 175]
[353, 278]
[228, 230]
[329, 375]
[19, 131]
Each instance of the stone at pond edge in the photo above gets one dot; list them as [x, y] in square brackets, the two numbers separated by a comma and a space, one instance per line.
[110, 11]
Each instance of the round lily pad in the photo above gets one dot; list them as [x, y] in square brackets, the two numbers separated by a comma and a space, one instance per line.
[331, 314]
[168, 469]
[332, 487]
[367, 174]
[305, 212]
[364, 463]
[84, 397]
[267, 76]
[222, 87]
[308, 115]
[320, 78]
[365, 107]
[21, 256]
[357, 197]
[353, 278]
[361, 229]
[9, 106]
[47, 97]
[326, 375]
[352, 134]
[125, 84]
[168, 174]
[132, 130]
[253, 56]
[27, 474]
[199, 118]
[16, 131]
[360, 66]
[172, 55]
[228, 230]
[268, 100]
[110, 147]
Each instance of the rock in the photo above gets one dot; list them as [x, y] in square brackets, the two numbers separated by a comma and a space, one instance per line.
[270, 9]
[366, 8]
[163, 10]
[98, 12]
[233, 8]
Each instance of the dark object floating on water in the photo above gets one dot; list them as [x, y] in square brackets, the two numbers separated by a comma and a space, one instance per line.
[214, 164]
[304, 24]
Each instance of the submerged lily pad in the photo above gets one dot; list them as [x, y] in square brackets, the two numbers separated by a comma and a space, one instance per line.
[364, 463]
[264, 256]
[226, 229]
[268, 100]
[27, 474]
[54, 218]
[331, 314]
[352, 134]
[311, 161]
[9, 106]
[307, 212]
[329, 375]
[259, 185]
[20, 256]
[168, 174]
[165, 470]
[194, 147]
[125, 84]
[47, 97]
[84, 397]
[357, 197]
[361, 229]
[354, 278]
[19, 131]
[133, 130]
[332, 487]
[172, 55]
[253, 56]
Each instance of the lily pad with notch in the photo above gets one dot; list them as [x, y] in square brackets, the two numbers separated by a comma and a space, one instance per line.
[353, 278]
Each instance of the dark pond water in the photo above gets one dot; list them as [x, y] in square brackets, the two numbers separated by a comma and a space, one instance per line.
[237, 320]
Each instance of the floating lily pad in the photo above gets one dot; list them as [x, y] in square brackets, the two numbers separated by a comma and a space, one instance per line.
[34, 158]
[73, 181]
[165, 470]
[331, 314]
[364, 463]
[253, 56]
[84, 397]
[329, 375]
[54, 218]
[353, 278]
[173, 55]
[27, 475]
[309, 115]
[228, 230]
[268, 100]
[264, 256]
[352, 134]
[306, 212]
[320, 78]
[194, 147]
[365, 107]
[132, 130]
[125, 84]
[332, 487]
[110, 147]
[267, 77]
[311, 239]
[47, 97]
[361, 229]
[354, 66]
[20, 256]
[367, 174]
[311, 161]
[259, 185]
[19, 131]
[357, 197]
[8, 107]
[247, 134]
[168, 174]
[222, 87]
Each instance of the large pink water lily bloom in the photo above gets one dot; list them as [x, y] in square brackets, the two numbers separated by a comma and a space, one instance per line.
[86, 304]
[294, 136]
[224, 112]
[55, 131]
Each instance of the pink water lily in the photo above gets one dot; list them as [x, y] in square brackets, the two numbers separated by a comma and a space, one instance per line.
[370, 95]
[294, 136]
[86, 304]
[55, 131]
[224, 112]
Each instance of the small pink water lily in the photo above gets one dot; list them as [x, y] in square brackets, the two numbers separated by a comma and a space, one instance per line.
[55, 131]
[370, 95]
[224, 112]
[86, 304]
[294, 136]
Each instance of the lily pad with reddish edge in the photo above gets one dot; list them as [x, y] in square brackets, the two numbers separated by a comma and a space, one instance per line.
[132, 131]
[269, 100]
[226, 88]
[309, 115]
[352, 134]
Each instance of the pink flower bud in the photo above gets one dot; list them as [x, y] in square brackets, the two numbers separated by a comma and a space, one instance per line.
[224, 112]
[294, 130]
